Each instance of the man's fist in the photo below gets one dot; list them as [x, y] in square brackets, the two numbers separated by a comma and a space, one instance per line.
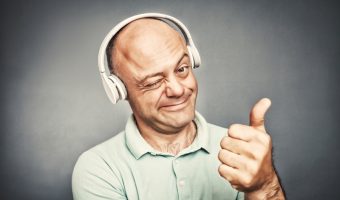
[246, 155]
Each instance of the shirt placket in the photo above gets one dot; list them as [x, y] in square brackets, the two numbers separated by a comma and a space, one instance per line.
[183, 183]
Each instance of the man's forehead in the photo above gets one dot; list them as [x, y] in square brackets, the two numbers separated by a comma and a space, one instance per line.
[146, 40]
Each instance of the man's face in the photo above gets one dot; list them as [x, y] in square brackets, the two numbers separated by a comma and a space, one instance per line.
[157, 72]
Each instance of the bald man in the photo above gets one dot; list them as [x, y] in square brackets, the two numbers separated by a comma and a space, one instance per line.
[168, 150]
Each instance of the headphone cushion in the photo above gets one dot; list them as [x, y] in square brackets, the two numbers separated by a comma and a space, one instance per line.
[110, 89]
[191, 57]
[119, 86]
[196, 56]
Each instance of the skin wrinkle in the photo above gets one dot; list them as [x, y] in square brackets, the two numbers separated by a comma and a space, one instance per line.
[174, 148]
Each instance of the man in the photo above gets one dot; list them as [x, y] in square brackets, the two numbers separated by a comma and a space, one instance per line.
[167, 150]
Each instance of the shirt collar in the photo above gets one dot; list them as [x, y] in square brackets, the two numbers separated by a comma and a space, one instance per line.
[138, 146]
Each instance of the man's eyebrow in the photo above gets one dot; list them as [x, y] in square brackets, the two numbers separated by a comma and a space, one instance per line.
[185, 54]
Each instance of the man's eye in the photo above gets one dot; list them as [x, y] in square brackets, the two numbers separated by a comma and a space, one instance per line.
[182, 69]
[154, 84]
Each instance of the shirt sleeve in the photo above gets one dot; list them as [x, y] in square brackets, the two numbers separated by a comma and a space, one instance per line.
[93, 179]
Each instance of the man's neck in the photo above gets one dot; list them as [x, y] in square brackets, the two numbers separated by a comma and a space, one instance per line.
[169, 143]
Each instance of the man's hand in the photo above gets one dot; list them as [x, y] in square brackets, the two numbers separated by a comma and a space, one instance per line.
[246, 157]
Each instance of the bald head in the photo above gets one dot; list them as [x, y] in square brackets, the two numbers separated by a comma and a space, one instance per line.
[140, 40]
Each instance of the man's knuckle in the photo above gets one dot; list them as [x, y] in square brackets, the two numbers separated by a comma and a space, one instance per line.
[248, 181]
[224, 142]
[234, 127]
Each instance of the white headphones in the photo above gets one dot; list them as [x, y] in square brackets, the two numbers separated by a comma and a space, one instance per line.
[114, 87]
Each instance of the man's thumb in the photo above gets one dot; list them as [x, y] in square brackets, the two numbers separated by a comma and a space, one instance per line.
[257, 114]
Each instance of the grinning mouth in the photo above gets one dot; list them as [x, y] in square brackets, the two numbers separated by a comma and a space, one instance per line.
[174, 106]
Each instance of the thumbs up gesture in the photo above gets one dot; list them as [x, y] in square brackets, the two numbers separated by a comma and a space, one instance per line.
[246, 157]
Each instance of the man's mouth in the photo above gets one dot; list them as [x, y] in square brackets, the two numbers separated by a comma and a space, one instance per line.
[175, 106]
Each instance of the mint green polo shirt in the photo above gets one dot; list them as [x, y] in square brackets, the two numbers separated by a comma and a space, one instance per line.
[127, 167]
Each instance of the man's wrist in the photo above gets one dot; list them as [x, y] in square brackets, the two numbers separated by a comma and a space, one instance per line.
[270, 190]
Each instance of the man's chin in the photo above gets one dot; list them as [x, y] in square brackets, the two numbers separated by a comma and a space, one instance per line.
[179, 118]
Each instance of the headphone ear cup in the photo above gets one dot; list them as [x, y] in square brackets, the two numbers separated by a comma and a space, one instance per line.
[191, 57]
[119, 86]
[195, 56]
[110, 89]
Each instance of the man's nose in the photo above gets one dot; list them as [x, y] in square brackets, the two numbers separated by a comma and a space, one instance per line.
[174, 88]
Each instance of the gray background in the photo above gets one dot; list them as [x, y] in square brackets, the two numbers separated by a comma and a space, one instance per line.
[53, 105]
